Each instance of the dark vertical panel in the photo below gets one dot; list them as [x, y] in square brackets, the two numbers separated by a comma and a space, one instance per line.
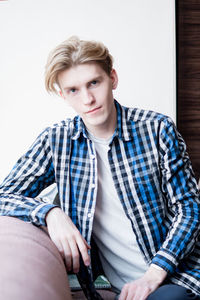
[188, 76]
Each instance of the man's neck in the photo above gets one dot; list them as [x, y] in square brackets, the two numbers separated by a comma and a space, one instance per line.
[101, 134]
[104, 131]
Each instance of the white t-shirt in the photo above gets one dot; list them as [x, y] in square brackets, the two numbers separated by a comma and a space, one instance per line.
[120, 255]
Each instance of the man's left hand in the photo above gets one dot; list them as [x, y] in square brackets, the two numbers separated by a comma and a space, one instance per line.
[141, 288]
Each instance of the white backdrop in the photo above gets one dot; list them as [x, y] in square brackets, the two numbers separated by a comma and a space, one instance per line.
[139, 33]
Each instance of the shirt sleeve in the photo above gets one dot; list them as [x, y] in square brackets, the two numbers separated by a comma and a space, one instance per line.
[182, 197]
[32, 173]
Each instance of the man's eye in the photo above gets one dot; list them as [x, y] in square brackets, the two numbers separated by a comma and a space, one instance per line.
[72, 90]
[94, 82]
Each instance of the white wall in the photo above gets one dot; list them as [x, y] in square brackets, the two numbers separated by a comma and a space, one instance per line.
[139, 33]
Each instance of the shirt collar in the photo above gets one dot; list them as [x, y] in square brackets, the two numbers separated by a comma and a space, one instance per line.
[123, 129]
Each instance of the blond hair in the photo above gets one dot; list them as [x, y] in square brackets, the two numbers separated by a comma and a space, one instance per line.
[73, 52]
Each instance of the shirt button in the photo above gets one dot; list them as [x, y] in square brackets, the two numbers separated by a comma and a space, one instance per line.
[89, 215]
[93, 185]
[45, 199]
[92, 156]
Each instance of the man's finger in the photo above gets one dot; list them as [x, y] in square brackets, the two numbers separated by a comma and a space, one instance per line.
[75, 256]
[123, 294]
[60, 249]
[87, 245]
[59, 246]
[141, 293]
[83, 248]
[130, 295]
[68, 255]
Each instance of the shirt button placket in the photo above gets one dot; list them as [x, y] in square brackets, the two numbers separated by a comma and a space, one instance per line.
[93, 159]
[92, 156]
[93, 185]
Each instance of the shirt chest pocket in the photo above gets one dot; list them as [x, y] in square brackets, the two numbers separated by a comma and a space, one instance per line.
[146, 174]
[142, 185]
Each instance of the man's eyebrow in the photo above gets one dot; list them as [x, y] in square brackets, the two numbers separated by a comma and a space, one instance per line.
[96, 78]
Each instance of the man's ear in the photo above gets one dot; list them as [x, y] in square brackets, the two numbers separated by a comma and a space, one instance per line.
[114, 78]
[61, 94]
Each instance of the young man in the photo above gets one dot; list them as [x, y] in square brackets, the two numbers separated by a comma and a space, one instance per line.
[129, 200]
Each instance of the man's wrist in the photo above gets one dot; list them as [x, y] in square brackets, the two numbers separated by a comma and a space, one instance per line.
[52, 213]
[156, 267]
[155, 273]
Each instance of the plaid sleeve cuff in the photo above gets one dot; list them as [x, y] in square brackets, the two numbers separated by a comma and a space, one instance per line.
[38, 215]
[165, 260]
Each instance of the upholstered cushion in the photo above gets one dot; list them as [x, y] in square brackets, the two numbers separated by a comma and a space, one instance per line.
[30, 264]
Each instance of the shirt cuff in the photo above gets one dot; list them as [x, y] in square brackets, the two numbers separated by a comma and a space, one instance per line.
[165, 260]
[38, 215]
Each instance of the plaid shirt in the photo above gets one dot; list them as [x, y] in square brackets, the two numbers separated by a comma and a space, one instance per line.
[152, 175]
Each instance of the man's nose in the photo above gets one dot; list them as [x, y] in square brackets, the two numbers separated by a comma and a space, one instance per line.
[87, 97]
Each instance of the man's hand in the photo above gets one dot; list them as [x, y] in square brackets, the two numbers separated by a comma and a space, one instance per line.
[67, 239]
[141, 288]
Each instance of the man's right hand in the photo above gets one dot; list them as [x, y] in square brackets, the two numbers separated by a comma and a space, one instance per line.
[67, 239]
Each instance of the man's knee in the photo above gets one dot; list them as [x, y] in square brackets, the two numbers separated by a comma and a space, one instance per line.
[173, 292]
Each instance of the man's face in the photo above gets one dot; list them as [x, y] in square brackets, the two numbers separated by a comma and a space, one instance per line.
[89, 91]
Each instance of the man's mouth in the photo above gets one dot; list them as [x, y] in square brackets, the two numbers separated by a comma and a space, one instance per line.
[93, 110]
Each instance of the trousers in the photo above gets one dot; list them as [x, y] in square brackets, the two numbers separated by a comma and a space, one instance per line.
[173, 292]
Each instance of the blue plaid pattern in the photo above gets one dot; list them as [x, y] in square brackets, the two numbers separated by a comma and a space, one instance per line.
[152, 175]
